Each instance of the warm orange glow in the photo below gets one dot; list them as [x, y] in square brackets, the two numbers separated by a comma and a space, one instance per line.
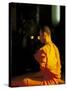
[49, 59]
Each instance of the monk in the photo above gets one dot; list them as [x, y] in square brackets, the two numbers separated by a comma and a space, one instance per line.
[48, 58]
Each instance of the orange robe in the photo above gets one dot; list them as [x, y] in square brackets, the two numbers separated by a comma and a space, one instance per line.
[49, 59]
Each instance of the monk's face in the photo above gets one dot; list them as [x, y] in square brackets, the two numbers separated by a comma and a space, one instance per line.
[44, 37]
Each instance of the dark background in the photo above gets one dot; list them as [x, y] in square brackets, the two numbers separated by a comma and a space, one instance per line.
[22, 24]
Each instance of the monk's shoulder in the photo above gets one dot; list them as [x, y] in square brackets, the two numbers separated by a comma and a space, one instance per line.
[45, 47]
[56, 48]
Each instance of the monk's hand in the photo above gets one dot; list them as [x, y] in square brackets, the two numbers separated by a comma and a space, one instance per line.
[40, 56]
[42, 66]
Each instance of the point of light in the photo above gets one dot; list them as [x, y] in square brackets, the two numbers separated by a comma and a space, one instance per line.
[32, 37]
[38, 37]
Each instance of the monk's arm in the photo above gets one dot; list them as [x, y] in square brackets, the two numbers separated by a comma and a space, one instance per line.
[40, 57]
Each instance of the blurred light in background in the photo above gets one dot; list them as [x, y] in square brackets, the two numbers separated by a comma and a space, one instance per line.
[32, 37]
[55, 15]
[38, 37]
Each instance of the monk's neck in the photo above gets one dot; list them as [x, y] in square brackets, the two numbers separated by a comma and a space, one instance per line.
[48, 41]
